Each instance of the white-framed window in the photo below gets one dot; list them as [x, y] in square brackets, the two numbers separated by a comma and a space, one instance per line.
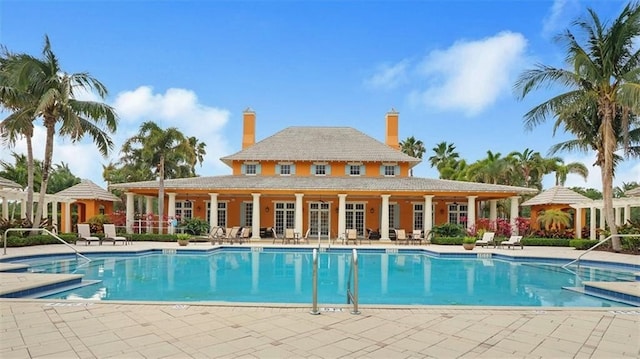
[246, 216]
[285, 170]
[354, 170]
[321, 170]
[222, 214]
[250, 169]
[184, 210]
[354, 217]
[389, 170]
[285, 213]
[458, 213]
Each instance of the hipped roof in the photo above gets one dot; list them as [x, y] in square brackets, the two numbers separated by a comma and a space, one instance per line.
[7, 183]
[88, 190]
[556, 195]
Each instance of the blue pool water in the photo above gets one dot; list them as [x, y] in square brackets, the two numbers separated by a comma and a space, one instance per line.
[285, 277]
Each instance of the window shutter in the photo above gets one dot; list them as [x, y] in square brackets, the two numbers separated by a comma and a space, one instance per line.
[396, 171]
[327, 170]
[396, 215]
[243, 169]
[293, 169]
[313, 169]
[362, 170]
[278, 170]
[347, 170]
[243, 210]
[381, 170]
[258, 169]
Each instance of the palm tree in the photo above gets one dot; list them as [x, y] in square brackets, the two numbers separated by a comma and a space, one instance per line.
[445, 156]
[412, 147]
[167, 152]
[563, 170]
[604, 73]
[198, 153]
[554, 219]
[20, 122]
[489, 170]
[52, 97]
[529, 166]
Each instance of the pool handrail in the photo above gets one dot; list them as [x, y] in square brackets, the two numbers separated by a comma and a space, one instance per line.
[314, 284]
[41, 230]
[577, 260]
[352, 296]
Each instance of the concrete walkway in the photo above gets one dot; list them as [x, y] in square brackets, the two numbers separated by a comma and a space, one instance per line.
[67, 329]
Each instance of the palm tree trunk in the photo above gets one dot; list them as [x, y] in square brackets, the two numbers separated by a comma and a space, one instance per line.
[50, 124]
[30, 171]
[609, 143]
[161, 194]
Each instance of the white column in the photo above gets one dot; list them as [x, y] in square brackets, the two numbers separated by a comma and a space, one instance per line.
[578, 222]
[255, 217]
[428, 214]
[130, 211]
[213, 210]
[298, 224]
[54, 215]
[493, 211]
[5, 207]
[514, 215]
[384, 219]
[148, 207]
[171, 210]
[592, 223]
[342, 214]
[67, 217]
[602, 223]
[627, 213]
[23, 206]
[471, 212]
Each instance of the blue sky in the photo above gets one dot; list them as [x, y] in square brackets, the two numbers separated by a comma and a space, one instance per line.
[448, 67]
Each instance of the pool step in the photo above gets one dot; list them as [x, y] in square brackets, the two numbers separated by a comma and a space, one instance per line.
[26, 285]
[623, 292]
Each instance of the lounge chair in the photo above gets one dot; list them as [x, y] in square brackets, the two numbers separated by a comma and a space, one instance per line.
[401, 236]
[487, 239]
[110, 234]
[306, 237]
[84, 234]
[216, 235]
[231, 234]
[245, 235]
[275, 236]
[512, 242]
[351, 235]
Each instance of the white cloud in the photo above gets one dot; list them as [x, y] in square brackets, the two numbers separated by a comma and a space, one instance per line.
[556, 18]
[470, 75]
[175, 108]
[388, 76]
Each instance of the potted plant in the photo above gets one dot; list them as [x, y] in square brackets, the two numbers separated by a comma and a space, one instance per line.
[469, 243]
[183, 239]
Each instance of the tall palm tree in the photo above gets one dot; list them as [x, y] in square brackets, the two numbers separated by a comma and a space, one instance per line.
[199, 152]
[52, 95]
[562, 170]
[412, 147]
[489, 170]
[445, 156]
[604, 72]
[529, 167]
[156, 148]
[19, 123]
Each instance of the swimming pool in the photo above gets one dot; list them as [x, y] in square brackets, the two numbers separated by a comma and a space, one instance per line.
[277, 276]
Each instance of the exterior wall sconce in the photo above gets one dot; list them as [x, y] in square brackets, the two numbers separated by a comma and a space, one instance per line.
[266, 209]
[371, 210]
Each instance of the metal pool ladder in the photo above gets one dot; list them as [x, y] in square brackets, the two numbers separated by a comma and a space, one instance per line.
[577, 260]
[78, 254]
[352, 295]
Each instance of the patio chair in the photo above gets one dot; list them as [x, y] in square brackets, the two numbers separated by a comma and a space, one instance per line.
[289, 236]
[232, 234]
[416, 236]
[110, 234]
[351, 235]
[487, 239]
[245, 235]
[401, 236]
[512, 242]
[275, 236]
[84, 234]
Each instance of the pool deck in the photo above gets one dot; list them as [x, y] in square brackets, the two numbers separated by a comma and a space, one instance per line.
[31, 328]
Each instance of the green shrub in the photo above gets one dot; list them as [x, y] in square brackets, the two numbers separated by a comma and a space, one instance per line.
[447, 240]
[582, 243]
[449, 230]
[546, 242]
[195, 226]
[37, 240]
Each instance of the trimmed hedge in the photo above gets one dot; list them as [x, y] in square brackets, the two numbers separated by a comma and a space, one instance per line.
[37, 240]
[582, 243]
[545, 242]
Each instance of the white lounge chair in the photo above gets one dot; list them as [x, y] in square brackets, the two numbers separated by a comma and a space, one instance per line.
[416, 236]
[110, 234]
[84, 234]
[216, 235]
[289, 236]
[512, 242]
[401, 236]
[487, 239]
[351, 235]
